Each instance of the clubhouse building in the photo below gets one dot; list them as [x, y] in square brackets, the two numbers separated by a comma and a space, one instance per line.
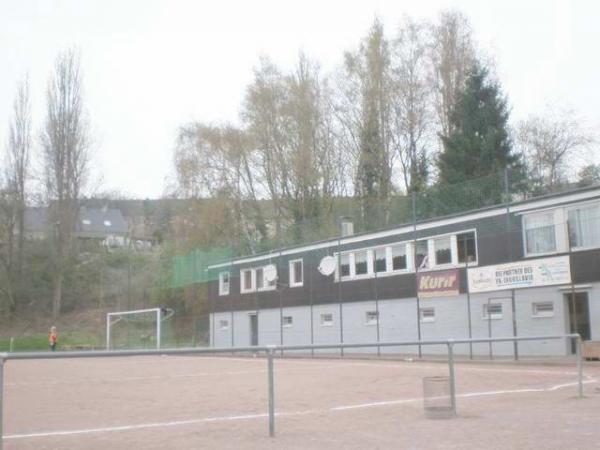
[527, 268]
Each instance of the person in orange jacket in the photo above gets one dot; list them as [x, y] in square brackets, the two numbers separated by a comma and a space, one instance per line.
[53, 338]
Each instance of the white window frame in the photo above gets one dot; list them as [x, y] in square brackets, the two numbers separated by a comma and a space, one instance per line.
[371, 317]
[455, 249]
[409, 247]
[493, 316]
[560, 232]
[293, 281]
[369, 262]
[224, 288]
[386, 251]
[324, 323]
[408, 255]
[428, 256]
[566, 215]
[537, 314]
[252, 287]
[427, 319]
[223, 324]
[338, 268]
[285, 323]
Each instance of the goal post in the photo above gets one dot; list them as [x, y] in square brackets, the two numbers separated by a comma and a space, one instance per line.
[143, 323]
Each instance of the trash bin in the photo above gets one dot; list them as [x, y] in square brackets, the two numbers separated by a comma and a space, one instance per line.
[436, 398]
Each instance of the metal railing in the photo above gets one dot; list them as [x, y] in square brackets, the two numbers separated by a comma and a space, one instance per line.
[270, 350]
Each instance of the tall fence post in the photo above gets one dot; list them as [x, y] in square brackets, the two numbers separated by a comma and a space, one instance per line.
[579, 365]
[270, 352]
[1, 401]
[452, 378]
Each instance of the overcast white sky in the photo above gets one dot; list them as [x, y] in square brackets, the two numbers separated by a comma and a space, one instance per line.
[153, 65]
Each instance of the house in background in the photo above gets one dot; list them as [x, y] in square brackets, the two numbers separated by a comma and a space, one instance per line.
[105, 225]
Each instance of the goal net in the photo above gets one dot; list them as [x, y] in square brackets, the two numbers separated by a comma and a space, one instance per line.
[138, 329]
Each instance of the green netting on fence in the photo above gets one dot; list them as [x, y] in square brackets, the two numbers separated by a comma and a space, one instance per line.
[191, 268]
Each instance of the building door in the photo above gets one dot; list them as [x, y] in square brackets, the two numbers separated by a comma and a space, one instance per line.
[253, 329]
[579, 316]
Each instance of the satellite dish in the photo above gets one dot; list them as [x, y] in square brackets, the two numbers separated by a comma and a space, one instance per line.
[270, 273]
[327, 265]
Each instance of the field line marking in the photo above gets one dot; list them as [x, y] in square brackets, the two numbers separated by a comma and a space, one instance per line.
[279, 414]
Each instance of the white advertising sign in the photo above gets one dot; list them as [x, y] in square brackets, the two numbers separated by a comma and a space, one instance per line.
[522, 274]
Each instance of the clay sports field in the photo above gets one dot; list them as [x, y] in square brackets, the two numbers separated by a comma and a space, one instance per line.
[208, 402]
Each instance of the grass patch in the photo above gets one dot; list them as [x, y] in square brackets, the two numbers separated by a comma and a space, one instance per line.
[39, 342]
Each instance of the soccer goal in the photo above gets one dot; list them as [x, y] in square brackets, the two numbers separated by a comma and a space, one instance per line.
[140, 328]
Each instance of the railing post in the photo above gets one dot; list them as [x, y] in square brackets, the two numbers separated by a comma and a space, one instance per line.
[1, 401]
[270, 352]
[579, 365]
[452, 378]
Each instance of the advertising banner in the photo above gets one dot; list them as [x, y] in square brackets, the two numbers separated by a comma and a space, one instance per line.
[438, 284]
[522, 274]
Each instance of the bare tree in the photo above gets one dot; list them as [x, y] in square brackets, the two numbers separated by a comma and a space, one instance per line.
[551, 145]
[288, 117]
[18, 159]
[65, 145]
[217, 162]
[13, 195]
[364, 114]
[452, 55]
[412, 112]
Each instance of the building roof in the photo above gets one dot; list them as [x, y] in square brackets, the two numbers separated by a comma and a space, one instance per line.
[93, 222]
[101, 222]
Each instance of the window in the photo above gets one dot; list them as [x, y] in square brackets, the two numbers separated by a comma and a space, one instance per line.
[360, 263]
[247, 278]
[379, 260]
[86, 222]
[443, 250]
[421, 255]
[107, 223]
[583, 226]
[326, 320]
[371, 317]
[492, 311]
[224, 283]
[467, 250]
[540, 236]
[399, 257]
[427, 314]
[345, 265]
[260, 278]
[287, 321]
[296, 273]
[261, 282]
[543, 309]
[223, 324]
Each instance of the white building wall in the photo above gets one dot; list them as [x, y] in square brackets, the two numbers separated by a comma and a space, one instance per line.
[221, 337]
[398, 322]
[298, 333]
[241, 325]
[269, 331]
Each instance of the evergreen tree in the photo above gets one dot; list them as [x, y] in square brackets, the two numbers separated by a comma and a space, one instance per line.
[479, 144]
